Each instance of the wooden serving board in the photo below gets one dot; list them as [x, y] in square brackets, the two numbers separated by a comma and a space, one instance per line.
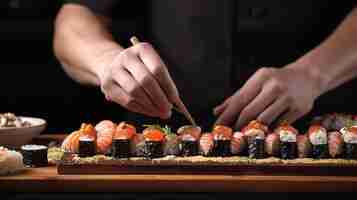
[175, 167]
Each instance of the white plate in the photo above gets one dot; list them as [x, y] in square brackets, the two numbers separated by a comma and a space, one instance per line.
[14, 138]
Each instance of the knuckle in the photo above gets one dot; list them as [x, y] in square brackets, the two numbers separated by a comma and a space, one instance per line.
[265, 72]
[289, 100]
[145, 46]
[278, 86]
[128, 102]
[157, 70]
[125, 56]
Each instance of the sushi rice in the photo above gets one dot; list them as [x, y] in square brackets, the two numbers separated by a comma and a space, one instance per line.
[10, 161]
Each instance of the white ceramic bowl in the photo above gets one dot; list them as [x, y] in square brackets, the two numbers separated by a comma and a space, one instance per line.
[14, 138]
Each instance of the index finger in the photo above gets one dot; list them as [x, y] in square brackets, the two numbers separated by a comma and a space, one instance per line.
[159, 70]
[242, 98]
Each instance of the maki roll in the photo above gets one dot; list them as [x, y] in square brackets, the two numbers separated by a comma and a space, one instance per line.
[272, 145]
[238, 143]
[255, 133]
[189, 136]
[335, 144]
[87, 141]
[318, 138]
[154, 142]
[121, 147]
[34, 155]
[287, 135]
[350, 139]
[222, 136]
[206, 144]
[304, 146]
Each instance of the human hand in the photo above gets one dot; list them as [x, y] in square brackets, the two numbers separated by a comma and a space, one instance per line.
[271, 94]
[138, 80]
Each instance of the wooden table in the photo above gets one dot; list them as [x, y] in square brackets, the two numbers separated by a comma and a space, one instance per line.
[47, 180]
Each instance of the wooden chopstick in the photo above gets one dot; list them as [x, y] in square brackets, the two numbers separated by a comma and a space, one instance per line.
[181, 107]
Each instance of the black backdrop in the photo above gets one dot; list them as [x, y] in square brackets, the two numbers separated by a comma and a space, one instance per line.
[34, 84]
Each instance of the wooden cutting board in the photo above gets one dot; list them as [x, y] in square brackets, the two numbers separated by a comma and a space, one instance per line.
[174, 167]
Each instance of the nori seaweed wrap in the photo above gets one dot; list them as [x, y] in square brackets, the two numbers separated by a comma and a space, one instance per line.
[318, 139]
[255, 133]
[256, 148]
[121, 148]
[189, 145]
[86, 147]
[287, 136]
[154, 142]
[222, 136]
[350, 139]
[34, 155]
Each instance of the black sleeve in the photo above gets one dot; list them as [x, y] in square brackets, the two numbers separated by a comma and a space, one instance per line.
[103, 7]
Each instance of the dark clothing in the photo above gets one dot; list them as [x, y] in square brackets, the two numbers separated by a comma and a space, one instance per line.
[212, 47]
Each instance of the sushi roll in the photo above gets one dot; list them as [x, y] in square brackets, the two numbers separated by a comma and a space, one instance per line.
[206, 144]
[34, 155]
[335, 144]
[222, 136]
[238, 143]
[318, 138]
[350, 139]
[87, 141]
[10, 161]
[105, 133]
[272, 145]
[287, 136]
[304, 146]
[255, 133]
[189, 136]
[154, 142]
[121, 147]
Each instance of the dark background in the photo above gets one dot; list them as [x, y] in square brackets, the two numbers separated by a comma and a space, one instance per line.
[34, 84]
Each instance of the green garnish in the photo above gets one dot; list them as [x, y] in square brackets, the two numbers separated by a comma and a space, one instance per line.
[165, 129]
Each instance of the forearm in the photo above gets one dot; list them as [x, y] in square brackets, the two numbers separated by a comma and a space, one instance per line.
[83, 44]
[334, 62]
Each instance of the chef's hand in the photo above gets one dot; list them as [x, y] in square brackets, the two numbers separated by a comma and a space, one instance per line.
[138, 80]
[271, 94]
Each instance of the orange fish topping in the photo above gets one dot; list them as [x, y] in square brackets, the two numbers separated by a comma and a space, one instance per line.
[125, 130]
[255, 125]
[227, 132]
[154, 135]
[286, 127]
[353, 130]
[313, 129]
[88, 131]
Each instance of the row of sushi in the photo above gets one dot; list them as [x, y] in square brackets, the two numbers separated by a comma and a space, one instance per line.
[255, 140]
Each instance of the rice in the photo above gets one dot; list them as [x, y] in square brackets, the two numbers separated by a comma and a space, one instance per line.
[10, 161]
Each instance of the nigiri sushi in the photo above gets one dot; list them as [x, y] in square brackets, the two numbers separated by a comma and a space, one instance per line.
[189, 136]
[138, 145]
[154, 141]
[87, 141]
[335, 144]
[71, 142]
[272, 144]
[304, 146]
[318, 138]
[222, 136]
[206, 144]
[123, 135]
[255, 133]
[350, 139]
[105, 132]
[238, 143]
[287, 135]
